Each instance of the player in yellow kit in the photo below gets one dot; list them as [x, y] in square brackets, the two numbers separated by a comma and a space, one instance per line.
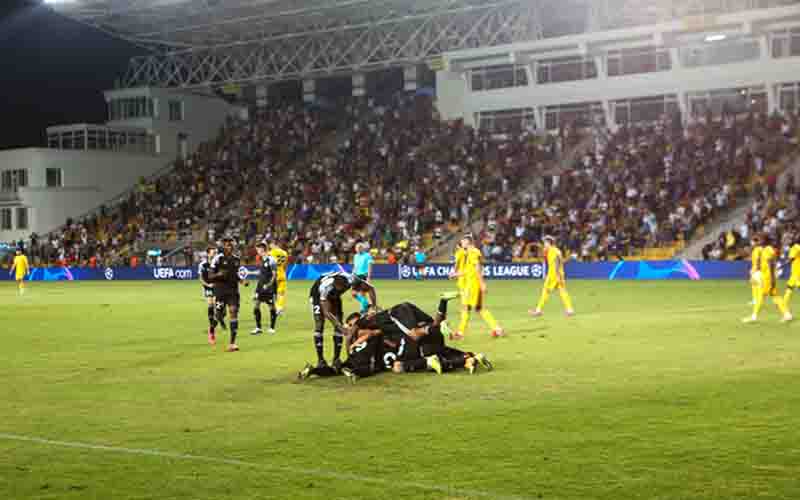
[459, 259]
[769, 282]
[474, 291]
[20, 269]
[755, 267]
[555, 279]
[794, 279]
[282, 258]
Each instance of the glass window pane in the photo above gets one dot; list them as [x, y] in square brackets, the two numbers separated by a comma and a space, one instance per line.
[22, 218]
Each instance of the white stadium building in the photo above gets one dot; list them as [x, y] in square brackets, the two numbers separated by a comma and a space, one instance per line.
[539, 63]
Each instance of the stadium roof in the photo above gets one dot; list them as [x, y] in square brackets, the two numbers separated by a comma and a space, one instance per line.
[214, 42]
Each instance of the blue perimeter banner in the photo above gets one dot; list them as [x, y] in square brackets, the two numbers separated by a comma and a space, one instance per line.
[624, 270]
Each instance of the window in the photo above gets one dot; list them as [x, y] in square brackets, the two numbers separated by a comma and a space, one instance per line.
[175, 111]
[12, 180]
[130, 107]
[639, 60]
[507, 120]
[581, 115]
[54, 177]
[737, 100]
[785, 43]
[565, 69]
[5, 219]
[646, 109]
[498, 77]
[22, 218]
[789, 96]
[723, 52]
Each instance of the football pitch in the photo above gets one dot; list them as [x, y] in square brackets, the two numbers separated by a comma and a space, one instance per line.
[654, 391]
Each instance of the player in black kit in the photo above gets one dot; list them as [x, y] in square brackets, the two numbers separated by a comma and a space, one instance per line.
[266, 289]
[326, 304]
[224, 273]
[203, 271]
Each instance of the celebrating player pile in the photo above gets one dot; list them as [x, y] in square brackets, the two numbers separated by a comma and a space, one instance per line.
[402, 339]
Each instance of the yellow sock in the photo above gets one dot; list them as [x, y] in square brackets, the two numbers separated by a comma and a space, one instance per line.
[781, 305]
[756, 293]
[566, 299]
[757, 305]
[280, 302]
[787, 297]
[462, 325]
[489, 319]
[543, 299]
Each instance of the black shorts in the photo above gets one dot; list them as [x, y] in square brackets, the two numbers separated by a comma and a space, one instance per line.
[228, 297]
[208, 292]
[335, 304]
[266, 296]
[362, 277]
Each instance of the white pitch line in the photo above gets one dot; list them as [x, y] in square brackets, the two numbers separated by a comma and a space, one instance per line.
[269, 467]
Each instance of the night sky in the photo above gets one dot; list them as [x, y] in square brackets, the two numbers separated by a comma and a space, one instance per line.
[52, 71]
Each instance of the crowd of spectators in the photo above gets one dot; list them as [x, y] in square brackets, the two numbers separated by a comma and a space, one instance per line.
[397, 174]
[648, 186]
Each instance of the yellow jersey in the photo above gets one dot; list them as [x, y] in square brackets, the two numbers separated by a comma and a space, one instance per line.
[473, 258]
[282, 258]
[555, 264]
[794, 257]
[21, 266]
[755, 259]
[767, 256]
[459, 259]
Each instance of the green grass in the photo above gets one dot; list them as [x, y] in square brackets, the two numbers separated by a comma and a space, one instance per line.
[654, 391]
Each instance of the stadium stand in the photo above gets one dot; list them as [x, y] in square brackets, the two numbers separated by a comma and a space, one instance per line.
[647, 189]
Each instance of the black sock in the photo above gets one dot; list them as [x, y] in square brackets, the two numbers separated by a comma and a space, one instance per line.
[443, 308]
[257, 314]
[450, 364]
[319, 346]
[212, 321]
[273, 317]
[337, 345]
[415, 365]
[234, 330]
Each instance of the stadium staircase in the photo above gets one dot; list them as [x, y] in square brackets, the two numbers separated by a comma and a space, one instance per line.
[446, 247]
[708, 234]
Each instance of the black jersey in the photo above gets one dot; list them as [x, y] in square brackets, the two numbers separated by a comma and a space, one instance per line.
[227, 269]
[325, 286]
[397, 322]
[266, 274]
[203, 271]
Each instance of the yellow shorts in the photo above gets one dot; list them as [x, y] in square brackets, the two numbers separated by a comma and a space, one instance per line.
[471, 296]
[280, 286]
[794, 281]
[20, 277]
[767, 290]
[553, 283]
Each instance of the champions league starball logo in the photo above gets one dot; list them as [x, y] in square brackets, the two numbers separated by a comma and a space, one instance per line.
[109, 273]
[243, 273]
[405, 271]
